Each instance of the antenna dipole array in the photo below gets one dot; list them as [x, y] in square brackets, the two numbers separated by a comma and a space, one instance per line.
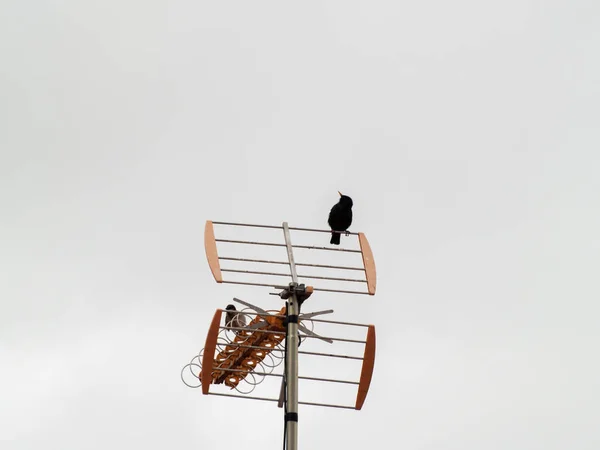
[245, 352]
[214, 260]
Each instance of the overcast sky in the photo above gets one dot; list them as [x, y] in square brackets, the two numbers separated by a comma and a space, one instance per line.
[466, 132]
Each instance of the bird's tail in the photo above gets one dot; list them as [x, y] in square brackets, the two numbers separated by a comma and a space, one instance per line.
[335, 238]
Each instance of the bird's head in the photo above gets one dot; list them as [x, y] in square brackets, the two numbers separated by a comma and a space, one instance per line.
[345, 200]
[230, 308]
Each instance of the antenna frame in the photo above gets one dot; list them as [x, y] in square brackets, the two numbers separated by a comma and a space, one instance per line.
[294, 294]
[213, 258]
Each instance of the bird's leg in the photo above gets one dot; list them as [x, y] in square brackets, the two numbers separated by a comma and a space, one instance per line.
[347, 233]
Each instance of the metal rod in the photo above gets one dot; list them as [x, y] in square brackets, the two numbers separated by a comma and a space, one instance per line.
[276, 349]
[265, 261]
[310, 315]
[340, 291]
[279, 274]
[258, 309]
[315, 277]
[290, 252]
[328, 405]
[279, 228]
[249, 397]
[281, 395]
[292, 373]
[267, 374]
[341, 323]
[274, 244]
[256, 313]
[291, 369]
[321, 231]
[248, 371]
[326, 266]
[232, 241]
[304, 316]
[235, 344]
[311, 247]
[247, 225]
[274, 286]
[330, 355]
[329, 380]
[335, 339]
[257, 330]
[266, 399]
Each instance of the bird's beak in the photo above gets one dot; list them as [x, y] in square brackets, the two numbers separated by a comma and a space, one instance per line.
[340, 193]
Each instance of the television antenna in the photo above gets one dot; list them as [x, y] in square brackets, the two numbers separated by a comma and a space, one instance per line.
[247, 349]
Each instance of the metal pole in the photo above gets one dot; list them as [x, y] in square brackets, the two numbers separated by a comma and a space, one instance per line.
[291, 378]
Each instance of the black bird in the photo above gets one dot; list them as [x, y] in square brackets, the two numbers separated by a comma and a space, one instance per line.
[234, 319]
[340, 217]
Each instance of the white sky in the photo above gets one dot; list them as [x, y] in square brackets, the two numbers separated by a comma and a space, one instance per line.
[466, 133]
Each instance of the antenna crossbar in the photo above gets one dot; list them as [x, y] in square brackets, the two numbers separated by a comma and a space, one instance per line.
[279, 286]
[279, 274]
[247, 283]
[277, 227]
[342, 323]
[322, 266]
[267, 374]
[235, 241]
[352, 341]
[275, 244]
[301, 352]
[330, 355]
[259, 331]
[327, 405]
[342, 291]
[312, 247]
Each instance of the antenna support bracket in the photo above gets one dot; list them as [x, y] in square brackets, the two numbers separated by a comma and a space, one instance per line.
[301, 291]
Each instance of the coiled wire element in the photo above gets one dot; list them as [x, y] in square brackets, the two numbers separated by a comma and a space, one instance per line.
[259, 362]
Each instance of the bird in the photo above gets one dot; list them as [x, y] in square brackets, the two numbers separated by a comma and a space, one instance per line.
[340, 218]
[234, 319]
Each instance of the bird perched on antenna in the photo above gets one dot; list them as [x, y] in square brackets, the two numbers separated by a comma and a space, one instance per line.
[340, 218]
[234, 319]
